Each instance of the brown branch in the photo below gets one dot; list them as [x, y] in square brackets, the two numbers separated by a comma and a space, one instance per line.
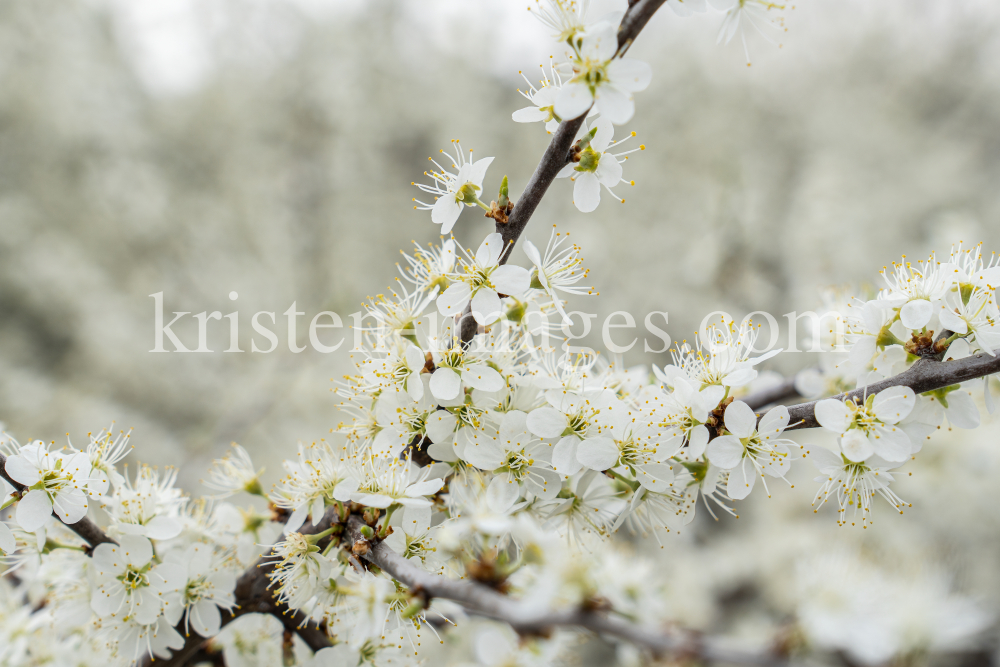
[481, 600]
[926, 374]
[85, 528]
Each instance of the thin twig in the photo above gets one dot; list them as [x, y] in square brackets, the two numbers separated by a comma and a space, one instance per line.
[85, 528]
[558, 152]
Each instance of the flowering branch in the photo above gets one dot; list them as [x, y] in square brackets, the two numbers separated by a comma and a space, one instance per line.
[530, 620]
[925, 375]
[253, 596]
[85, 528]
[556, 156]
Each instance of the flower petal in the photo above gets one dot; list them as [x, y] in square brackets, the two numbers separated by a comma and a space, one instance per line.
[892, 405]
[741, 479]
[740, 419]
[564, 455]
[33, 510]
[574, 100]
[445, 383]
[916, 314]
[598, 453]
[511, 280]
[725, 452]
[489, 250]
[629, 74]
[486, 306]
[833, 415]
[614, 103]
[502, 493]
[586, 192]
[445, 212]
[454, 299]
[856, 446]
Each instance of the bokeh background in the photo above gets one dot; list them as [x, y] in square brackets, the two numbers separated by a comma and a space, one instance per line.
[266, 147]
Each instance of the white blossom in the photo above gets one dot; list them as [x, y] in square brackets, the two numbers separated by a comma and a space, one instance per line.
[749, 449]
[453, 191]
[870, 428]
[483, 280]
[601, 79]
[597, 166]
[56, 481]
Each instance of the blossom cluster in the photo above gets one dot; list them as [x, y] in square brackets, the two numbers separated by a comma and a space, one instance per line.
[506, 457]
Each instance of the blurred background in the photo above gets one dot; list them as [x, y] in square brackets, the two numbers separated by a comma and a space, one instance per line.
[266, 147]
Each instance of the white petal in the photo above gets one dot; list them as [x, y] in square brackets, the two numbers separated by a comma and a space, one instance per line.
[916, 314]
[445, 212]
[33, 510]
[697, 441]
[483, 378]
[136, 549]
[440, 425]
[586, 192]
[892, 405]
[741, 481]
[70, 505]
[862, 351]
[856, 446]
[962, 411]
[511, 280]
[454, 299]
[546, 422]
[655, 476]
[532, 252]
[614, 103]
[205, 618]
[629, 74]
[163, 528]
[529, 115]
[425, 488]
[416, 520]
[567, 171]
[502, 493]
[725, 452]
[486, 306]
[489, 250]
[833, 415]
[740, 419]
[891, 443]
[605, 133]
[573, 101]
[7, 541]
[609, 170]
[825, 460]
[544, 483]
[773, 423]
[414, 386]
[598, 453]
[478, 171]
[564, 455]
[22, 470]
[951, 321]
[445, 383]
